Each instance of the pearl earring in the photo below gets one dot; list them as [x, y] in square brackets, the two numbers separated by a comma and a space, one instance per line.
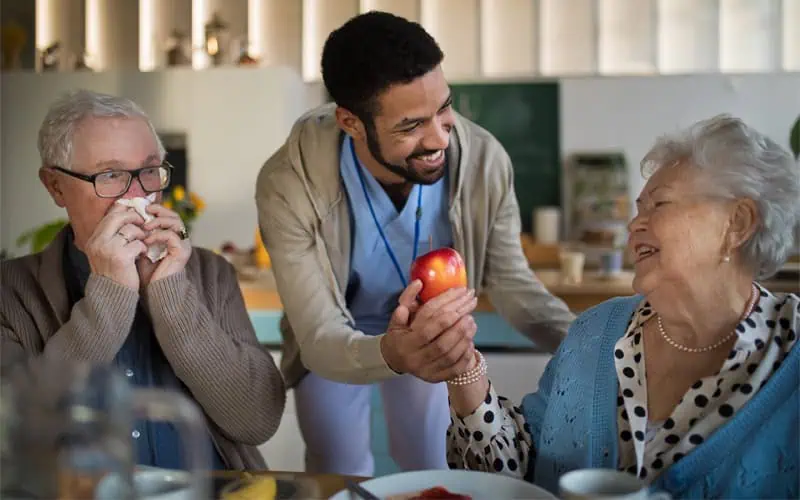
[726, 259]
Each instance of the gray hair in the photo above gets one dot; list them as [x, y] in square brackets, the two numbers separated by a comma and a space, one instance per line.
[742, 163]
[66, 114]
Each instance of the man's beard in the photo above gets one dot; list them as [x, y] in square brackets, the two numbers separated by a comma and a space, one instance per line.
[404, 171]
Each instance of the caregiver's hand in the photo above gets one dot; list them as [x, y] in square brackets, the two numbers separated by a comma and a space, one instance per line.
[431, 341]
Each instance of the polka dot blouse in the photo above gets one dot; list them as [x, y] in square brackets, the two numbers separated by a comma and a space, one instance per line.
[495, 437]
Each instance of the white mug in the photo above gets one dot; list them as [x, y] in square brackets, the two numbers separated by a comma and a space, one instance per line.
[606, 484]
[572, 266]
[546, 225]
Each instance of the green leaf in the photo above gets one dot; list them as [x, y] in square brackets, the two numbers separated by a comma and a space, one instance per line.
[39, 237]
[794, 139]
[25, 237]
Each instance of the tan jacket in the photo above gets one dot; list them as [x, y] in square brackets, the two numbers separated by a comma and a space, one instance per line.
[199, 319]
[305, 225]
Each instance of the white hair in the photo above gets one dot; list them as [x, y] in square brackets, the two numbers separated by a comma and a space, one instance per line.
[66, 114]
[742, 163]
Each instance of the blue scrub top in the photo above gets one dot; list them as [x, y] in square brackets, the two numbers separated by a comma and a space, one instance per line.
[374, 284]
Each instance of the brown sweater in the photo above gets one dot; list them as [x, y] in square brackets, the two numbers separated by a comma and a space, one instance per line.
[200, 322]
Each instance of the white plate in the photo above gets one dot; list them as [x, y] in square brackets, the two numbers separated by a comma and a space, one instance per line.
[478, 485]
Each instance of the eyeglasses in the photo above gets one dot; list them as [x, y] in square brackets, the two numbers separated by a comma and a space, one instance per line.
[113, 183]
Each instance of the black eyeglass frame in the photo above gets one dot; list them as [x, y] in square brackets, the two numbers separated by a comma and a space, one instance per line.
[134, 174]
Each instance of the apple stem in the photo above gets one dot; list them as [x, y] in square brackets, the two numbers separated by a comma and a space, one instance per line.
[430, 242]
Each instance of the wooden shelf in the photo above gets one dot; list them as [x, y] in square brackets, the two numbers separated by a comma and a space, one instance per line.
[482, 38]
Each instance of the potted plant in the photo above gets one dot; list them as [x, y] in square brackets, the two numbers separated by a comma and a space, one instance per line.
[188, 207]
[41, 236]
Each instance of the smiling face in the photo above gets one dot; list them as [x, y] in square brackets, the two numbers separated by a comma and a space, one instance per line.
[680, 235]
[410, 131]
[100, 144]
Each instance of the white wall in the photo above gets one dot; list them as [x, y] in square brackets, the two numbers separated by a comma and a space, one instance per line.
[63, 21]
[275, 32]
[234, 119]
[320, 18]
[455, 24]
[112, 34]
[628, 113]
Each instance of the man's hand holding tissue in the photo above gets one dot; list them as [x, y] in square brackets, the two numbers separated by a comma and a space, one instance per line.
[115, 244]
[164, 228]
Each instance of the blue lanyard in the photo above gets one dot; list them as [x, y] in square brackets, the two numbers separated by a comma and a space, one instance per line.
[378, 225]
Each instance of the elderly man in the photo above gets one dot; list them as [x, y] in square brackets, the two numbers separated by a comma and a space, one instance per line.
[92, 295]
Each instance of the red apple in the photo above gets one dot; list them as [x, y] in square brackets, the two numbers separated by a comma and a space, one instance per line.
[439, 270]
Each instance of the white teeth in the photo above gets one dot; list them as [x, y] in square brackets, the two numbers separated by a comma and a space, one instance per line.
[645, 250]
[434, 156]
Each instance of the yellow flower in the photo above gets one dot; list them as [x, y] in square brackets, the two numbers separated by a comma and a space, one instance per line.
[178, 193]
[167, 204]
[197, 201]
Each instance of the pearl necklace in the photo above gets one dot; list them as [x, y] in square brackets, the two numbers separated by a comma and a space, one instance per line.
[747, 310]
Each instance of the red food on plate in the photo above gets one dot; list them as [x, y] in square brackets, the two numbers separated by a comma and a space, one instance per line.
[440, 493]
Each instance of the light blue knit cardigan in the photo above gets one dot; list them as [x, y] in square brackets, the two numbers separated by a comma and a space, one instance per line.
[573, 421]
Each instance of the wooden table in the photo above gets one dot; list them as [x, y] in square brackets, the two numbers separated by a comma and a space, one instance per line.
[321, 486]
[326, 485]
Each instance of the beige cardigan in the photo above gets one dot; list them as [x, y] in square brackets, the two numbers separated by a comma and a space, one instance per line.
[305, 223]
[200, 322]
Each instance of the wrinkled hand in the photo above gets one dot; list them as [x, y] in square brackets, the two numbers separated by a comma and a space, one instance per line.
[115, 244]
[432, 341]
[165, 228]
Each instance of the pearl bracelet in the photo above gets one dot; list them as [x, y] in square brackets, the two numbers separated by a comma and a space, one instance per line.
[471, 376]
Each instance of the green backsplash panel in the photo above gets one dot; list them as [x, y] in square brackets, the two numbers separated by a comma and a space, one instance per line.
[524, 117]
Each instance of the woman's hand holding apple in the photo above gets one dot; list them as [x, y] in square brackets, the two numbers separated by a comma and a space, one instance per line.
[432, 341]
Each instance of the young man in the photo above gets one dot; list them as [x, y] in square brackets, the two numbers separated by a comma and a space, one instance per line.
[359, 189]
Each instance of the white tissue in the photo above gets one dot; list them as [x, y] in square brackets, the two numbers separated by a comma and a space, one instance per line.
[156, 251]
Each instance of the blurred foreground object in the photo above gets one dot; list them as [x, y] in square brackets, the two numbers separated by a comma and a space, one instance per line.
[64, 426]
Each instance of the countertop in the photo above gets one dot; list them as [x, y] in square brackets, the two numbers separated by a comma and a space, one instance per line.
[260, 293]
[495, 335]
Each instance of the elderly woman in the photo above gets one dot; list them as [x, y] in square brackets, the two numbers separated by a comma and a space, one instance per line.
[715, 412]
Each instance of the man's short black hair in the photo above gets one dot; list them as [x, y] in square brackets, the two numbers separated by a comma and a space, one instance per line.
[370, 53]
